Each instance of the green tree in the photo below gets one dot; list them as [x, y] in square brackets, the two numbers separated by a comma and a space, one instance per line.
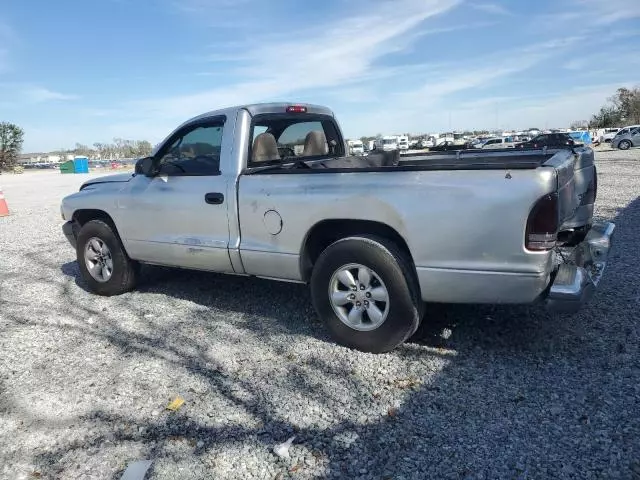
[608, 116]
[11, 138]
[82, 150]
[143, 148]
[623, 109]
[579, 125]
[627, 102]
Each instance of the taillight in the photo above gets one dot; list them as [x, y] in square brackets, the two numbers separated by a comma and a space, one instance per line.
[296, 109]
[542, 224]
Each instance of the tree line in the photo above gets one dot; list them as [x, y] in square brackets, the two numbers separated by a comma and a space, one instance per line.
[622, 109]
[12, 138]
[119, 148]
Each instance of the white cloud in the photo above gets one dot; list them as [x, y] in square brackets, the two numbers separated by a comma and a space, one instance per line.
[609, 12]
[492, 8]
[341, 53]
[7, 37]
[4, 60]
[41, 94]
[557, 109]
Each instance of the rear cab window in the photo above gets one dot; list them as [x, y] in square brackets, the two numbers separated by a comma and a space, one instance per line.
[289, 137]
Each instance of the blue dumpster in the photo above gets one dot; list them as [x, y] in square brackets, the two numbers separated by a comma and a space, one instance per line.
[81, 165]
[581, 136]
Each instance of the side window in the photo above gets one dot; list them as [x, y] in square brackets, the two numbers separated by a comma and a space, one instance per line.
[195, 152]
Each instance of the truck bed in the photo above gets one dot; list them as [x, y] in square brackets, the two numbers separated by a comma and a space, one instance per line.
[503, 159]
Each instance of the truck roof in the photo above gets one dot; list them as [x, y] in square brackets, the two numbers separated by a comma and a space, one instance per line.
[262, 108]
[253, 109]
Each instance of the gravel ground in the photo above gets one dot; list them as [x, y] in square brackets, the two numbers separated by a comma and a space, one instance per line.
[487, 393]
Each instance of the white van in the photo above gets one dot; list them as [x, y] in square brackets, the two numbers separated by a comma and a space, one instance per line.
[356, 147]
[497, 142]
[387, 143]
[403, 142]
[605, 135]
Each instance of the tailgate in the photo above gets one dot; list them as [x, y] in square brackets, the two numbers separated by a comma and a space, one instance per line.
[577, 185]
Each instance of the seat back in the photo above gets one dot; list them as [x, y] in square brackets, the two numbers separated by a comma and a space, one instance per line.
[265, 148]
[315, 143]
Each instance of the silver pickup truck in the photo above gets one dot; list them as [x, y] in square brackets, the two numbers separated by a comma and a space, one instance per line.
[266, 190]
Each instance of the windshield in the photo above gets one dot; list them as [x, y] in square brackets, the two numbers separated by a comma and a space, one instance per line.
[388, 141]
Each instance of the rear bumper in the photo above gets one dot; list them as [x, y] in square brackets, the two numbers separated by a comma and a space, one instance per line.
[70, 230]
[577, 280]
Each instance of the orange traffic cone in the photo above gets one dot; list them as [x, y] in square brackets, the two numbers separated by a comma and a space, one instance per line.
[4, 209]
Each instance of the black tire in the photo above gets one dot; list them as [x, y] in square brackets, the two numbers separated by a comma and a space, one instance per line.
[394, 269]
[624, 145]
[125, 271]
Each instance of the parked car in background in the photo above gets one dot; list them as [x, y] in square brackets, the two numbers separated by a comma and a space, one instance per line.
[428, 142]
[403, 142]
[388, 143]
[496, 142]
[627, 140]
[607, 134]
[449, 145]
[549, 140]
[373, 236]
[356, 147]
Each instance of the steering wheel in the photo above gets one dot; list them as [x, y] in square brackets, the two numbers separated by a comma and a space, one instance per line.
[286, 152]
[202, 158]
[177, 165]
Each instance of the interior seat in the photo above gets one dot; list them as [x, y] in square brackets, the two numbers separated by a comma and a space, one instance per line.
[315, 143]
[265, 148]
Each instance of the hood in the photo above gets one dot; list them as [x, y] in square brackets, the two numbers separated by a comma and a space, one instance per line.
[117, 178]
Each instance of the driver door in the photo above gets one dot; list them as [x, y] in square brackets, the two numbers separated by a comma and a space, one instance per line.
[178, 216]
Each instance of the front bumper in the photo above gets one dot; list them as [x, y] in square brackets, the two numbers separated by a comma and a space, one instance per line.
[577, 279]
[70, 230]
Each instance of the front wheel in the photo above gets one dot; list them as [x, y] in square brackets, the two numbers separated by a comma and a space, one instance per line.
[104, 264]
[365, 291]
[624, 145]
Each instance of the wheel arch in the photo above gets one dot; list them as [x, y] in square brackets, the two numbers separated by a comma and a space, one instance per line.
[326, 232]
[84, 215]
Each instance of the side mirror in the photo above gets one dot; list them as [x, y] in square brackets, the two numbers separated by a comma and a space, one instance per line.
[144, 166]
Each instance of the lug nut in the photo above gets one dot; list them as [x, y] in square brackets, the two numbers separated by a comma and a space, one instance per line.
[368, 294]
[358, 304]
[352, 296]
[361, 287]
[354, 289]
[366, 304]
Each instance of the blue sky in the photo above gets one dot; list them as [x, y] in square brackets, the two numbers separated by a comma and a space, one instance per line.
[81, 71]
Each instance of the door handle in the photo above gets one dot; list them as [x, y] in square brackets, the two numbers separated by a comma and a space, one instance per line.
[214, 198]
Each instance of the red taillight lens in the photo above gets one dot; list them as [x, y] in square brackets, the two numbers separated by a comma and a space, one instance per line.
[542, 225]
[296, 109]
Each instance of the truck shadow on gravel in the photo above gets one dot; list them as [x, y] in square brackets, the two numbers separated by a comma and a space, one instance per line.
[517, 393]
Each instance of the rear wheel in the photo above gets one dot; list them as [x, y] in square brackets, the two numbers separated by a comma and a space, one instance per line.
[365, 291]
[104, 264]
[624, 145]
